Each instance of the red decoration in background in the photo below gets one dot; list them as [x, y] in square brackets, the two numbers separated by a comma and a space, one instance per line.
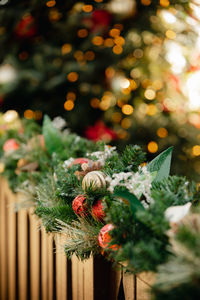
[100, 132]
[10, 145]
[99, 21]
[80, 160]
[79, 206]
[26, 28]
[104, 237]
[97, 210]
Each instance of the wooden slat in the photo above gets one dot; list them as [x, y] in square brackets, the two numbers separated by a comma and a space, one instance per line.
[114, 283]
[22, 253]
[44, 264]
[144, 282]
[88, 279]
[61, 269]
[3, 241]
[50, 266]
[34, 256]
[129, 286]
[75, 279]
[11, 236]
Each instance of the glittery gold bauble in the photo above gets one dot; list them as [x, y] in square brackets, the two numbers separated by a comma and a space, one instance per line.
[94, 180]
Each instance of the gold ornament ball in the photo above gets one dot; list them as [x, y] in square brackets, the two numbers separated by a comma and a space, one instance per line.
[94, 180]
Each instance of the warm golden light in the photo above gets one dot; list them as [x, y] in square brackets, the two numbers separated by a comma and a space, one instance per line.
[66, 48]
[87, 8]
[108, 42]
[146, 2]
[164, 3]
[119, 41]
[127, 109]
[71, 95]
[89, 55]
[82, 33]
[94, 102]
[97, 40]
[29, 114]
[114, 32]
[162, 132]
[149, 94]
[152, 147]
[68, 105]
[72, 76]
[51, 3]
[117, 49]
[151, 110]
[170, 34]
[196, 150]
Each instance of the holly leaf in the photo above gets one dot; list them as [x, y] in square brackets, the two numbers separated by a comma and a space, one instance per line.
[53, 141]
[161, 164]
[135, 204]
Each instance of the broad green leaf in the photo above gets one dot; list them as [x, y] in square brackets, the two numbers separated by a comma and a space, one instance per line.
[161, 164]
[53, 141]
[135, 204]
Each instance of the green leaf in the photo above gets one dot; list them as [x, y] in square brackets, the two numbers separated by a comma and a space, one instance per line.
[53, 141]
[135, 204]
[161, 164]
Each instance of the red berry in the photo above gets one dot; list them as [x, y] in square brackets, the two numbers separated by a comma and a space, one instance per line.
[80, 161]
[10, 145]
[79, 206]
[26, 28]
[104, 237]
[97, 210]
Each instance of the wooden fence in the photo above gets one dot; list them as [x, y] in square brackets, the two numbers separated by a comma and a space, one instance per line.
[33, 265]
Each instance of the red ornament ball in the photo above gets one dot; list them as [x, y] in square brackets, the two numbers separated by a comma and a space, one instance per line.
[26, 28]
[97, 210]
[80, 160]
[79, 206]
[10, 145]
[104, 237]
[101, 18]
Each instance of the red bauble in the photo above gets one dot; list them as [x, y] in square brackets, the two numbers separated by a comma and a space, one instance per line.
[100, 132]
[104, 237]
[79, 206]
[80, 161]
[100, 19]
[26, 28]
[97, 210]
[10, 145]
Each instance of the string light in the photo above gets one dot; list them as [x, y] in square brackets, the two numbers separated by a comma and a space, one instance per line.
[116, 117]
[152, 147]
[87, 8]
[170, 34]
[108, 42]
[149, 94]
[151, 110]
[66, 48]
[97, 40]
[68, 105]
[94, 102]
[127, 109]
[162, 132]
[29, 114]
[164, 3]
[82, 33]
[117, 49]
[126, 123]
[72, 76]
[146, 2]
[89, 55]
[196, 150]
[114, 32]
[71, 95]
[51, 3]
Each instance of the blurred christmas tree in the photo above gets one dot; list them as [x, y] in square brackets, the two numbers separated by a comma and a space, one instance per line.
[134, 63]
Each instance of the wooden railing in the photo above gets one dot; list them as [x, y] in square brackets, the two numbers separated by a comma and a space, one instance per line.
[33, 264]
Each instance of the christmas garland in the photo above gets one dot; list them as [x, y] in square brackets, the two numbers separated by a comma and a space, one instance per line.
[106, 203]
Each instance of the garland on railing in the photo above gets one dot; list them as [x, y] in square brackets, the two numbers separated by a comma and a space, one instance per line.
[105, 202]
